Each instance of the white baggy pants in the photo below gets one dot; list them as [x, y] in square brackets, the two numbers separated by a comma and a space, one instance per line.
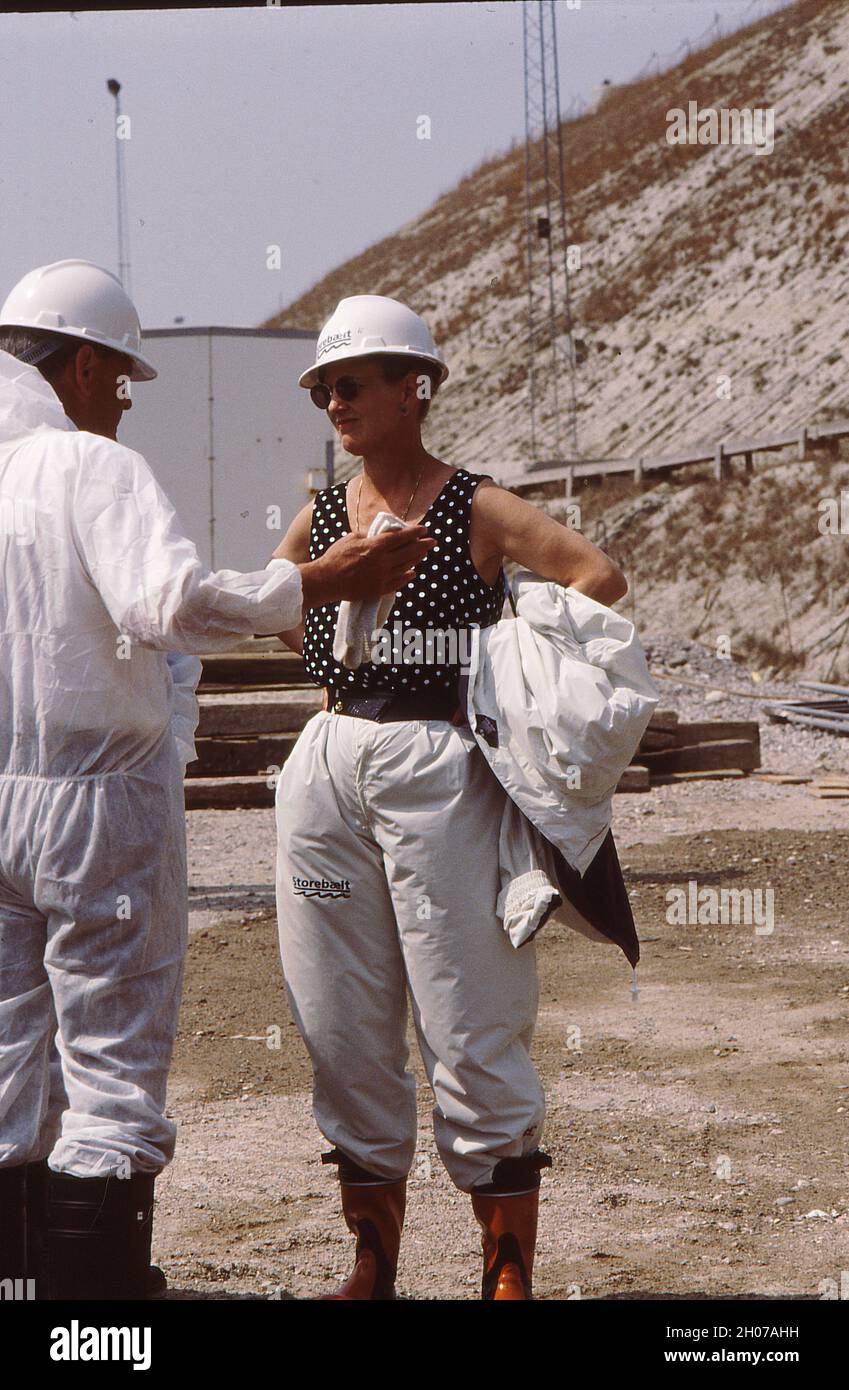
[387, 880]
[93, 930]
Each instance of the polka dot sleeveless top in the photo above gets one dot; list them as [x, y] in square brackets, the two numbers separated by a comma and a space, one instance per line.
[447, 594]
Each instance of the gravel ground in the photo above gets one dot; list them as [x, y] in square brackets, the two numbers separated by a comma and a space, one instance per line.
[699, 1134]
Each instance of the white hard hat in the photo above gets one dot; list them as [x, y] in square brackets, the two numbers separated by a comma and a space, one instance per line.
[79, 300]
[371, 323]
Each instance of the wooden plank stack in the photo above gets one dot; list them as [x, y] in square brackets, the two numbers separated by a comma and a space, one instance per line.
[831, 787]
[254, 703]
[828, 786]
[672, 750]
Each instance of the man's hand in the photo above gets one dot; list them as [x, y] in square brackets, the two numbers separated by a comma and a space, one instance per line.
[357, 567]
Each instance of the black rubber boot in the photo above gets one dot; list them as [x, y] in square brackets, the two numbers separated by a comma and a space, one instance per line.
[37, 1177]
[13, 1231]
[98, 1238]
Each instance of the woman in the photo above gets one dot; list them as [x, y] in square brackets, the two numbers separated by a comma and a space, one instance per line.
[388, 820]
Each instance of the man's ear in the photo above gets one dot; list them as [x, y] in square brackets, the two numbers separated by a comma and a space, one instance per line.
[82, 368]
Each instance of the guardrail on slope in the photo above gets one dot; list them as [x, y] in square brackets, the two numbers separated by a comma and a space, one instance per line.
[719, 454]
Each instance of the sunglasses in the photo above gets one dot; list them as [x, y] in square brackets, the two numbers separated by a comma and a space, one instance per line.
[346, 388]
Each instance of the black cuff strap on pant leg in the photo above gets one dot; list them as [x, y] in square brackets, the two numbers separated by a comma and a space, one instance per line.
[513, 1175]
[351, 1172]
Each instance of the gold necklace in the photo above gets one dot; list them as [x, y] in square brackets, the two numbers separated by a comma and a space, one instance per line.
[409, 504]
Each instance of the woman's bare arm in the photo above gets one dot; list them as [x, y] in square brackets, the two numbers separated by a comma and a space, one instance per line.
[510, 527]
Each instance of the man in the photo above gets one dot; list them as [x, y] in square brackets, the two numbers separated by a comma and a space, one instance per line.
[100, 590]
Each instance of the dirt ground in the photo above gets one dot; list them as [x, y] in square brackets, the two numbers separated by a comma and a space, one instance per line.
[699, 1132]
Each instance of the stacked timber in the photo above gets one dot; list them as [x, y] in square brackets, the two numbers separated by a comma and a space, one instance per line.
[674, 750]
[254, 670]
[254, 703]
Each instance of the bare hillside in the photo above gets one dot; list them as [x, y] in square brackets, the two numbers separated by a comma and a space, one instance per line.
[740, 566]
[698, 261]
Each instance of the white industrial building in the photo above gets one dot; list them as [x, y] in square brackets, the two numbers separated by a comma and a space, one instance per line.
[237, 445]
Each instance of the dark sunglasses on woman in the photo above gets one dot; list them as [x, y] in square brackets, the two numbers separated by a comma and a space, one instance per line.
[346, 388]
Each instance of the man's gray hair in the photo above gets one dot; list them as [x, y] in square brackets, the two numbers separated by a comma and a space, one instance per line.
[40, 347]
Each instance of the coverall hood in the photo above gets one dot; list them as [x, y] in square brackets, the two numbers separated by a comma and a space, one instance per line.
[27, 401]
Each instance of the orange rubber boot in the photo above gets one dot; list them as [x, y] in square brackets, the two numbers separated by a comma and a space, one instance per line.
[375, 1214]
[509, 1226]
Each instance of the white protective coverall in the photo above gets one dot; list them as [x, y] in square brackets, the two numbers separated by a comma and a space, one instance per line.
[98, 585]
[559, 698]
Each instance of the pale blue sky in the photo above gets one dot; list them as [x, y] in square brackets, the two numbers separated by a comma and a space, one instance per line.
[293, 126]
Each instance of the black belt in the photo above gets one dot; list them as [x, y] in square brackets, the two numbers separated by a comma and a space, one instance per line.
[394, 706]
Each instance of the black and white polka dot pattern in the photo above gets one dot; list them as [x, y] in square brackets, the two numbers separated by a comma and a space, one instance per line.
[447, 592]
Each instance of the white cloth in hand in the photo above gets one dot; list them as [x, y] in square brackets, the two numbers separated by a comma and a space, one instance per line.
[358, 620]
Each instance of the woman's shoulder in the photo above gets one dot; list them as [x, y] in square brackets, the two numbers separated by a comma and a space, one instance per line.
[465, 478]
[474, 477]
[474, 485]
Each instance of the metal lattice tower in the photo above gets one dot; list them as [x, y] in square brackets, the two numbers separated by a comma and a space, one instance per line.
[551, 350]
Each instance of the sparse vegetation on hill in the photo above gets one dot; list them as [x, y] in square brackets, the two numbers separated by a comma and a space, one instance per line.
[699, 263]
[744, 558]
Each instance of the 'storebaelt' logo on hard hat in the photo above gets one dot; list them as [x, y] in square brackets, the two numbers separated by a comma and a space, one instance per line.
[383, 325]
[333, 340]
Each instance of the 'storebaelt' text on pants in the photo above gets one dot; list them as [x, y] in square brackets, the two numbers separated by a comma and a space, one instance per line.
[387, 877]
